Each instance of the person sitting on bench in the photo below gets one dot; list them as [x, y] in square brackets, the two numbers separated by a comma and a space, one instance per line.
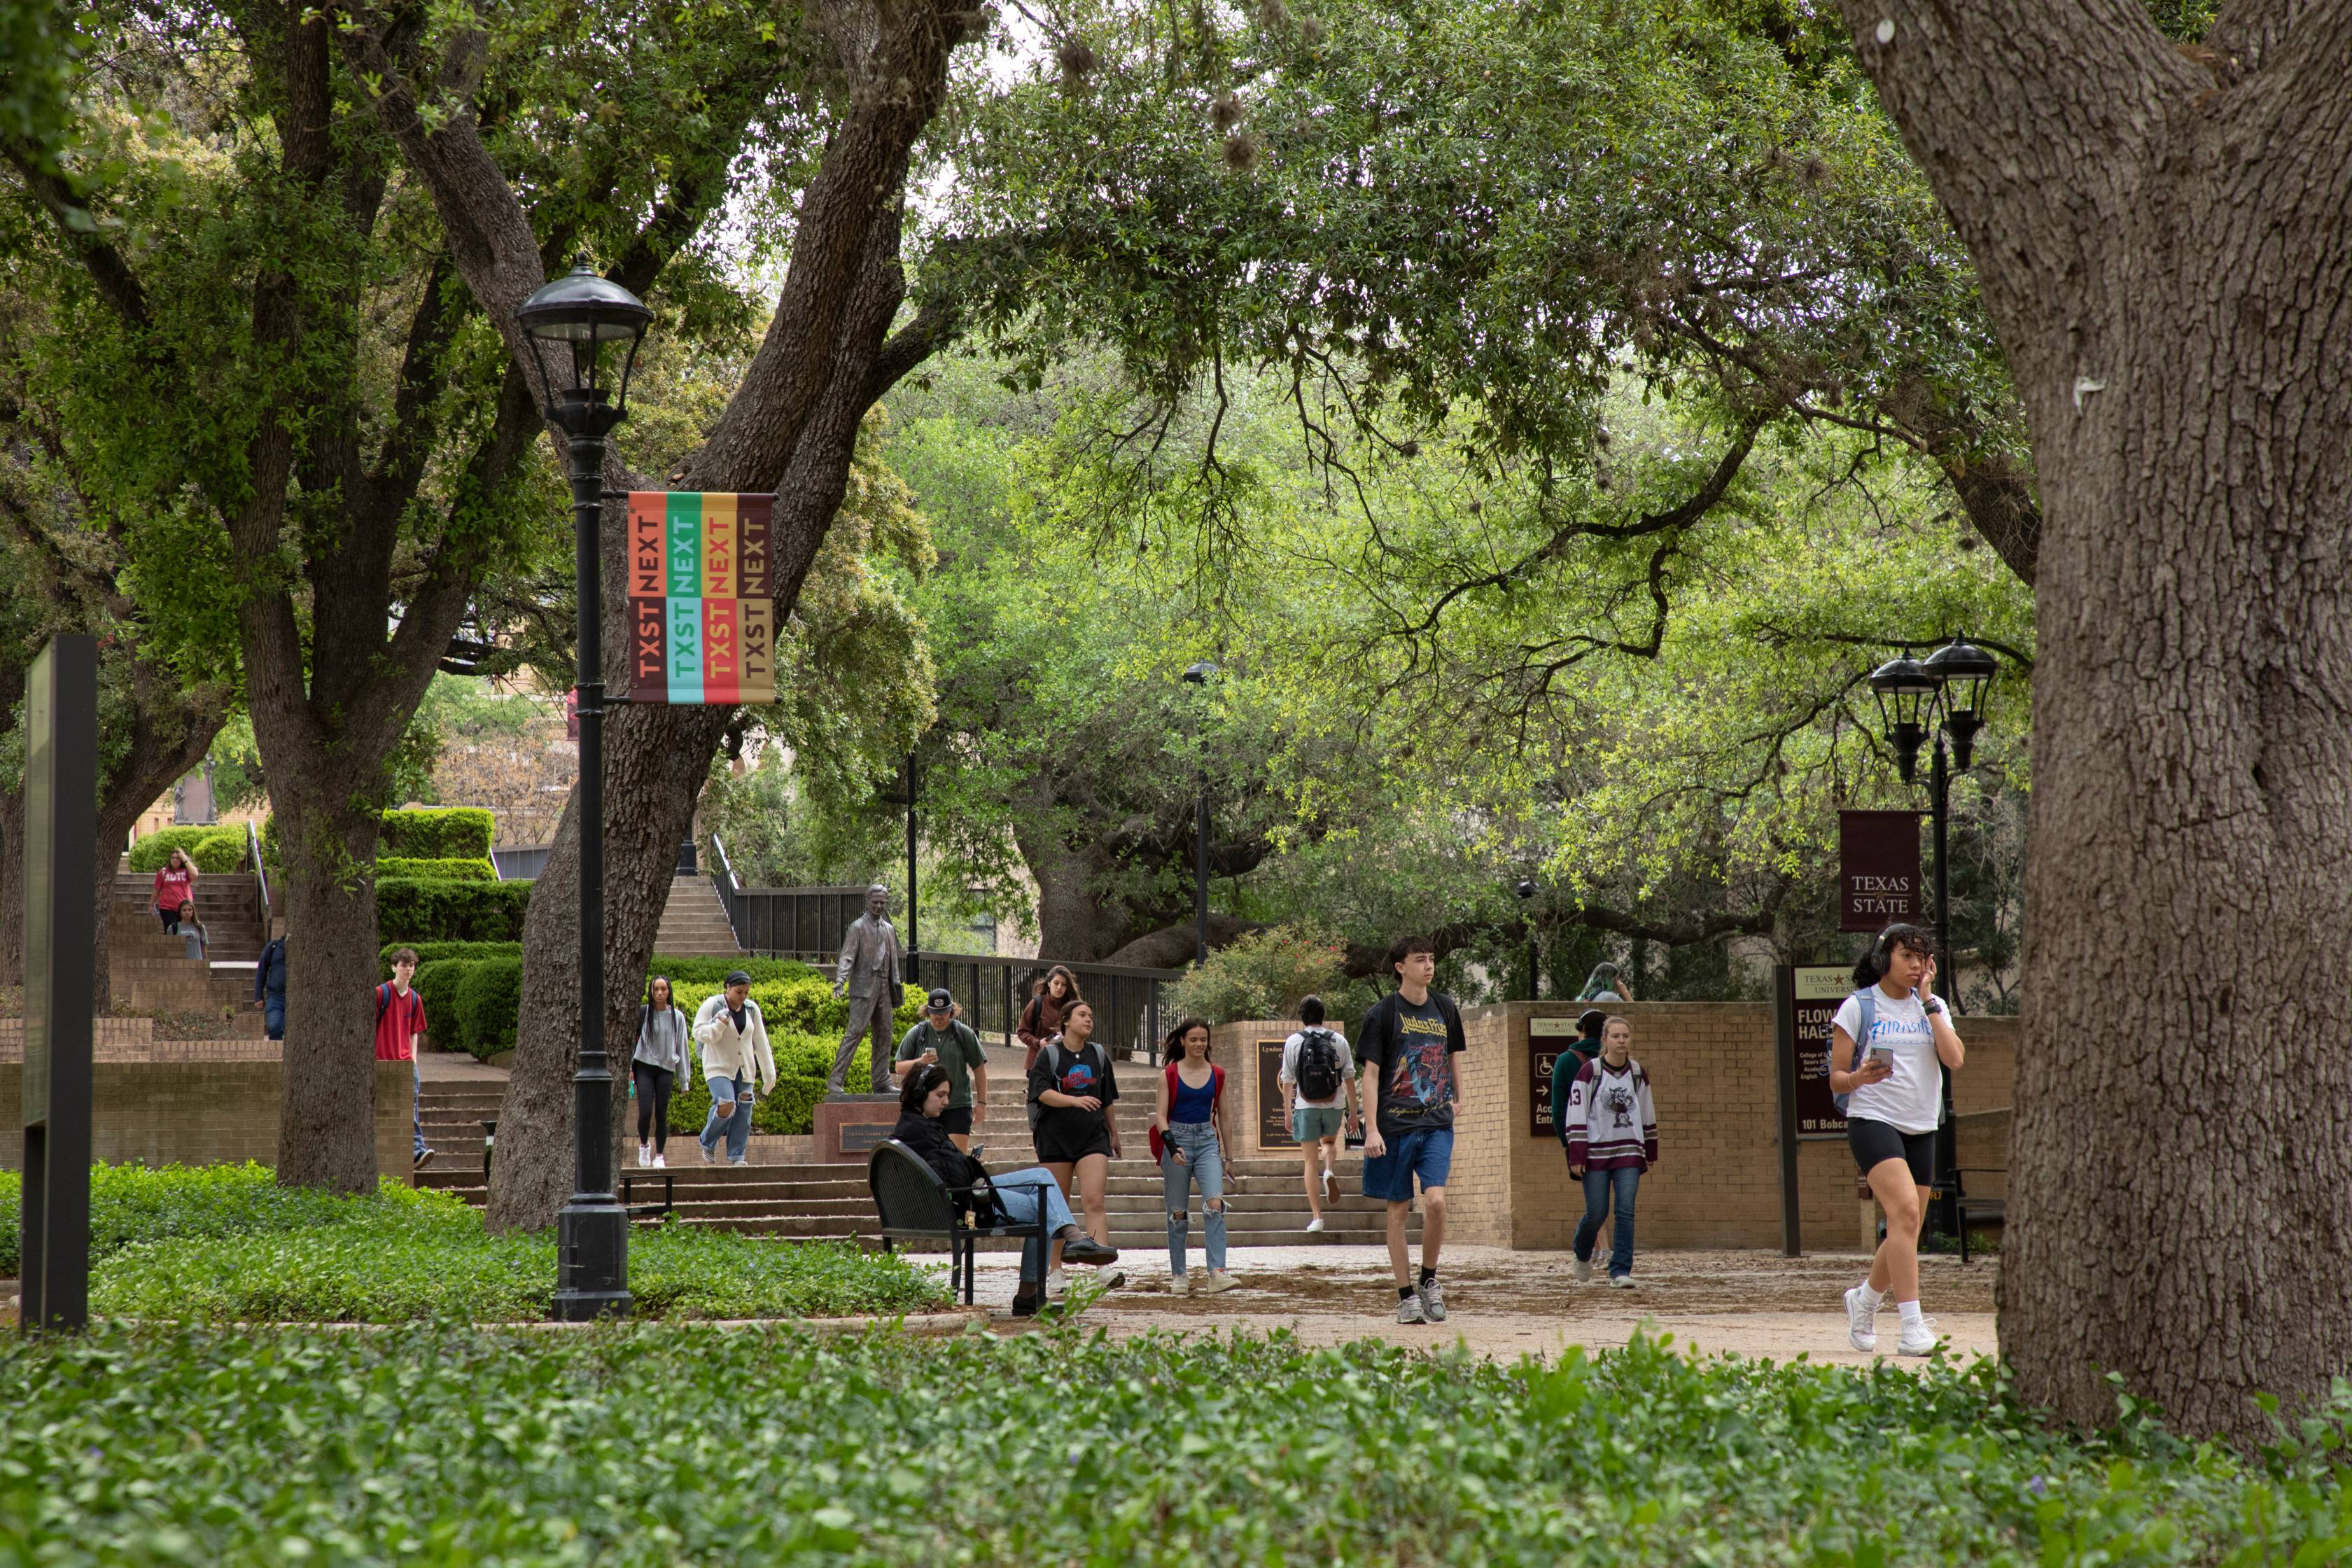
[921, 1102]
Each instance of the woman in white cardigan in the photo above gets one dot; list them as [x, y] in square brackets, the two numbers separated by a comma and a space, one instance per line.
[734, 1041]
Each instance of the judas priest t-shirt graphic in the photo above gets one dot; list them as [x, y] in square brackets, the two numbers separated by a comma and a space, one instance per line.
[1416, 1089]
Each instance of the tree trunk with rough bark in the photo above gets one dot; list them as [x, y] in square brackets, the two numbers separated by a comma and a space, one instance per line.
[2162, 240]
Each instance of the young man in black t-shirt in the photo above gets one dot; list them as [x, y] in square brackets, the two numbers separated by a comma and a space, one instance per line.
[1408, 1042]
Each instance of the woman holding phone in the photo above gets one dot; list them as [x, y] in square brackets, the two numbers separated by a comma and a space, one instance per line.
[1077, 1133]
[1894, 1085]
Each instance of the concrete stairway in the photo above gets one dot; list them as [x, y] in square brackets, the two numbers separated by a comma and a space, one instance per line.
[693, 922]
[1265, 1197]
[151, 972]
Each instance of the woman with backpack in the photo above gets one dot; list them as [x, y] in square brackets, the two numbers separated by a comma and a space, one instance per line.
[1582, 1049]
[1612, 1139]
[1022, 1195]
[1320, 1073]
[1077, 1133]
[661, 1056]
[1887, 1044]
[1041, 1019]
[1192, 1127]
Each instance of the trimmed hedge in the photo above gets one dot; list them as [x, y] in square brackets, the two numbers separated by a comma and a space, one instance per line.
[412, 910]
[713, 971]
[790, 1110]
[447, 870]
[439, 832]
[443, 952]
[212, 850]
[489, 1004]
[438, 983]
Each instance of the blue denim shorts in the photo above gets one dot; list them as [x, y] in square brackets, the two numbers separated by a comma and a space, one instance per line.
[1427, 1153]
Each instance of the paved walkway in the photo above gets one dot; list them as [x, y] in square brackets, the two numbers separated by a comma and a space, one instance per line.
[1506, 1303]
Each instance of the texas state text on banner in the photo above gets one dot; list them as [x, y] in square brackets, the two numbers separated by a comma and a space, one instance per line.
[701, 597]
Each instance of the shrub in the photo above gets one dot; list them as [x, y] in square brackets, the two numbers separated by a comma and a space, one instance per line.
[446, 870]
[1261, 976]
[214, 850]
[489, 1004]
[439, 833]
[438, 983]
[438, 951]
[413, 909]
[791, 1109]
[712, 972]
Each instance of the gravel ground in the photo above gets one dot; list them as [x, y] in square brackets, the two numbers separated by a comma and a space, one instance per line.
[1507, 1303]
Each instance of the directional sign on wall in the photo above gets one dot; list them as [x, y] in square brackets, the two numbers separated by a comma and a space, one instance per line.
[701, 597]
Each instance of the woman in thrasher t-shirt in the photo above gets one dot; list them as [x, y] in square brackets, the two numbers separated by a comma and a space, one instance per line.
[1894, 1082]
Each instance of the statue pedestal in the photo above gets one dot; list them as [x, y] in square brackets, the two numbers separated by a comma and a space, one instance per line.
[848, 1126]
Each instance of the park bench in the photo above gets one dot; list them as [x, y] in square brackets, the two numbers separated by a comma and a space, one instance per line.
[914, 1203]
[1873, 1223]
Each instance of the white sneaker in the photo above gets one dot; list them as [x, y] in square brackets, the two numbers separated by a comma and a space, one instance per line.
[644, 1156]
[1861, 1323]
[1179, 1284]
[709, 1155]
[1217, 1283]
[1315, 1225]
[1330, 1185]
[1055, 1283]
[742, 1162]
[1433, 1301]
[1919, 1337]
[1409, 1308]
[1110, 1278]
[1622, 1282]
[661, 1162]
[1584, 1271]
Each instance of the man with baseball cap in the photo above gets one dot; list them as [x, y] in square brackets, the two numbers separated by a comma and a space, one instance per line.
[943, 1038]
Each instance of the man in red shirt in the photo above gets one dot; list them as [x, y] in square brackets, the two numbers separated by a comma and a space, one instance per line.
[399, 1023]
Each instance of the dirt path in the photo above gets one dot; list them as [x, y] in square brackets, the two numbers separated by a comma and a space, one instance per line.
[1507, 1303]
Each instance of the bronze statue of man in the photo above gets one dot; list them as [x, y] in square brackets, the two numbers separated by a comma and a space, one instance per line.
[868, 975]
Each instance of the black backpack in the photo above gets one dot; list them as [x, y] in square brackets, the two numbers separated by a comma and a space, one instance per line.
[1318, 1065]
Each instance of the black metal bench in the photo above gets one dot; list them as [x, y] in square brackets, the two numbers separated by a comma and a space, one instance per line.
[914, 1203]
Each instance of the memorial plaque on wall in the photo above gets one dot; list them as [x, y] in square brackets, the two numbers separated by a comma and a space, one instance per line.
[1878, 869]
[1273, 1099]
[1818, 993]
[1548, 1040]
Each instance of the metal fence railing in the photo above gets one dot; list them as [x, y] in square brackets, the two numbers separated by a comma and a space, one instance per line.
[803, 923]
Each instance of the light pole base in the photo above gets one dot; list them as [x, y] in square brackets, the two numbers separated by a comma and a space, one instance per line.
[592, 1252]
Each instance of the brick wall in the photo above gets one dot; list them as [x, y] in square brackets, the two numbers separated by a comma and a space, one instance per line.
[198, 1102]
[1713, 1075]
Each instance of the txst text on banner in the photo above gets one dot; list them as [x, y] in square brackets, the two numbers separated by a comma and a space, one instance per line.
[701, 597]
[1878, 869]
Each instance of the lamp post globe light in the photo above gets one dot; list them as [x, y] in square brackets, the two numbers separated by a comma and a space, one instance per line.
[1196, 675]
[1945, 698]
[583, 331]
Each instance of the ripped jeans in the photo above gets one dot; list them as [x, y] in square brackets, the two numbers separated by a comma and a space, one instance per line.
[1203, 1161]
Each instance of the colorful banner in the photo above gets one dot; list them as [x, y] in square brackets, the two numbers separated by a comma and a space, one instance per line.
[701, 597]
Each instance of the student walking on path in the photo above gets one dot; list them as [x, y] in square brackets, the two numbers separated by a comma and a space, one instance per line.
[1076, 1130]
[943, 1040]
[1192, 1129]
[734, 1041]
[661, 1059]
[1886, 1042]
[269, 981]
[1580, 1050]
[1410, 1039]
[1041, 1019]
[175, 889]
[1319, 1072]
[1613, 1138]
[399, 1024]
[1022, 1194]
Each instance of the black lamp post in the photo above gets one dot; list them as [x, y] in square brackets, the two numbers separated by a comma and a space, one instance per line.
[1954, 684]
[578, 327]
[1197, 675]
[1527, 891]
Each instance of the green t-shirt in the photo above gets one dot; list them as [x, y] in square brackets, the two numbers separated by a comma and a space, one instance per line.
[959, 1052]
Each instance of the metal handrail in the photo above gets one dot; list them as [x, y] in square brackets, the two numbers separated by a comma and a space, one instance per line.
[261, 877]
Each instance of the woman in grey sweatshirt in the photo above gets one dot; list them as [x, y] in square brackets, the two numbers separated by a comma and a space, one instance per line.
[660, 1058]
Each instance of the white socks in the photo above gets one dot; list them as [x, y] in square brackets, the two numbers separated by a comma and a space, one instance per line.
[1869, 1298]
[1910, 1312]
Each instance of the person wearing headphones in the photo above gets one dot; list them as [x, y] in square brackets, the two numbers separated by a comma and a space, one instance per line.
[1887, 1044]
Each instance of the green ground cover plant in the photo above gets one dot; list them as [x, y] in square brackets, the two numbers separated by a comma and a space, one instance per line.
[620, 1446]
[225, 1243]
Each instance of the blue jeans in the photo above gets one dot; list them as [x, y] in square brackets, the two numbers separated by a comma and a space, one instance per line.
[1426, 1153]
[273, 1015]
[417, 1105]
[737, 1126]
[1020, 1202]
[1203, 1161]
[1604, 1191]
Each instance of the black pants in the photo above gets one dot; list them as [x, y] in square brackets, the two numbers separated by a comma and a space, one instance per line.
[652, 1104]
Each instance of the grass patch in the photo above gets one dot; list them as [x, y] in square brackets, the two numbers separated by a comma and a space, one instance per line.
[227, 1244]
[443, 1445]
